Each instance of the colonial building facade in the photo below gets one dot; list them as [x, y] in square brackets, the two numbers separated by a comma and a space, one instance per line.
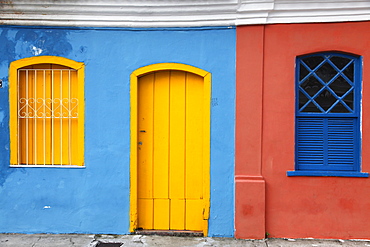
[227, 118]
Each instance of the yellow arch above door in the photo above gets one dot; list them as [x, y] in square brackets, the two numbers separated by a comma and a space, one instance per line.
[134, 138]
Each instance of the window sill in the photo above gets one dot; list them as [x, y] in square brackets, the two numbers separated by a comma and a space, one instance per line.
[45, 166]
[327, 174]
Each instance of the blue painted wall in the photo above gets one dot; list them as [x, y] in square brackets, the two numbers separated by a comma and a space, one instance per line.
[95, 199]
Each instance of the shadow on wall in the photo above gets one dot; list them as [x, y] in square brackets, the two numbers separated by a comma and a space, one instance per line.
[26, 42]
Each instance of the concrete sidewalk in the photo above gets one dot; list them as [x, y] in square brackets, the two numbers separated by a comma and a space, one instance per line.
[84, 240]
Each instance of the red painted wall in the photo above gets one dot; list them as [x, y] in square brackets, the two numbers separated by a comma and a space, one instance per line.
[249, 183]
[296, 207]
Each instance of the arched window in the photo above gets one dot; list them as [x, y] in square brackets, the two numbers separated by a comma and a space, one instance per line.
[328, 96]
[46, 112]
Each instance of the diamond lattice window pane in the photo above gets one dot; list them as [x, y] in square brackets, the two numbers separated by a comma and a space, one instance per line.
[340, 86]
[326, 72]
[302, 100]
[349, 72]
[311, 86]
[313, 62]
[311, 107]
[303, 72]
[349, 100]
[340, 62]
[325, 99]
[339, 108]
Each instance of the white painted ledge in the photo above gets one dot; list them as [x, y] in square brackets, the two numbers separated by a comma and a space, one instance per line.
[178, 13]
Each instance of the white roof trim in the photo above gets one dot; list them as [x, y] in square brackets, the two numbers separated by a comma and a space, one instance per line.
[178, 13]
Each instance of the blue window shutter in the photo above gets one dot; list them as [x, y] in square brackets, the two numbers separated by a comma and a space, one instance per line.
[327, 144]
[310, 143]
[342, 144]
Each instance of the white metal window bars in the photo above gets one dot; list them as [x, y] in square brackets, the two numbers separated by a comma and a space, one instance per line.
[39, 108]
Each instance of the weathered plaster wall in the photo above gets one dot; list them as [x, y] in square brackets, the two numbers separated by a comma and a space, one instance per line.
[297, 207]
[95, 199]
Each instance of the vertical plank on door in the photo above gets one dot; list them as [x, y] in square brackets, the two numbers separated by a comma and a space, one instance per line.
[177, 149]
[145, 151]
[161, 150]
[194, 137]
[177, 214]
[194, 214]
[145, 212]
[161, 214]
[194, 151]
[145, 136]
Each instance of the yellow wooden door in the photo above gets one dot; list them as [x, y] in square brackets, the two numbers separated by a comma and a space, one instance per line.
[170, 192]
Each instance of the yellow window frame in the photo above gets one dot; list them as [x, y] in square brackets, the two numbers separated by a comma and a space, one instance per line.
[13, 105]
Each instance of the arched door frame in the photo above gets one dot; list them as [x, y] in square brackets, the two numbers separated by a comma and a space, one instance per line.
[133, 133]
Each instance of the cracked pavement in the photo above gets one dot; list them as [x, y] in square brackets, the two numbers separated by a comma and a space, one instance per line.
[86, 240]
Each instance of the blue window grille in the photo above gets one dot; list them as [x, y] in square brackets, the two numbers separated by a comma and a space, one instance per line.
[328, 101]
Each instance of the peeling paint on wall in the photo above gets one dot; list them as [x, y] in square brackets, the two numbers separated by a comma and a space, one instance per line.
[48, 42]
[29, 42]
[36, 51]
[7, 47]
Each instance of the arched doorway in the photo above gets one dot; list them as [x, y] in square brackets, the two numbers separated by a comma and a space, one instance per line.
[170, 148]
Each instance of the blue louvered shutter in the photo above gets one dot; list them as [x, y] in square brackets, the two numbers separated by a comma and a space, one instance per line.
[310, 143]
[327, 144]
[341, 144]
